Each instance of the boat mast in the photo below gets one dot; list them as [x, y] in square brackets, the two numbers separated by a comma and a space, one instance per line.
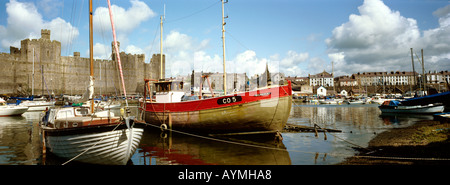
[118, 56]
[161, 44]
[32, 83]
[223, 47]
[91, 57]
[414, 72]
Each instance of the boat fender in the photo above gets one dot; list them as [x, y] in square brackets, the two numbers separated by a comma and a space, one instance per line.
[163, 127]
[122, 112]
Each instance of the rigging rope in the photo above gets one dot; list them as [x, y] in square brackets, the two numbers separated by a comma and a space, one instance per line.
[117, 53]
[192, 14]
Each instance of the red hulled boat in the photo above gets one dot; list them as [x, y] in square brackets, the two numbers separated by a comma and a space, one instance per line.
[262, 109]
[265, 109]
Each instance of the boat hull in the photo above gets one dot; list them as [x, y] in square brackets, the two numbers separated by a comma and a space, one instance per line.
[106, 145]
[412, 109]
[262, 110]
[37, 105]
[12, 111]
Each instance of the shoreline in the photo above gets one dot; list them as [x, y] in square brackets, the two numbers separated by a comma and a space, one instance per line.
[424, 143]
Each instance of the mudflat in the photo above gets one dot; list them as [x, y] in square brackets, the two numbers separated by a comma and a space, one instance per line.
[424, 143]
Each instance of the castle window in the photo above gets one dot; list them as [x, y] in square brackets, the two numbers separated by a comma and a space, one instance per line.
[48, 53]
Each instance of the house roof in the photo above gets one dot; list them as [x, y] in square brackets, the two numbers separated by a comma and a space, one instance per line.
[323, 74]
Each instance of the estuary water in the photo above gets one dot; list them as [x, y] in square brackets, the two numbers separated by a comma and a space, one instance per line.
[21, 144]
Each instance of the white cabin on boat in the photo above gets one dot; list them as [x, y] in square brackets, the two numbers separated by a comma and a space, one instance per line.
[169, 91]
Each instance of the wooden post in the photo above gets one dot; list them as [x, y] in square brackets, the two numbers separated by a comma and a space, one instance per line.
[44, 147]
[315, 130]
[170, 131]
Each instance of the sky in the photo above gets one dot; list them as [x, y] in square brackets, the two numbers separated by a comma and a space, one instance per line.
[296, 38]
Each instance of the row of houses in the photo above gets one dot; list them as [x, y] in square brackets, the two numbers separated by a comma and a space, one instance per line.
[357, 83]
[360, 81]
[372, 78]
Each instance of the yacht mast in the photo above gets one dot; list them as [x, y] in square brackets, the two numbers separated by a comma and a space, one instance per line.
[161, 43]
[223, 47]
[91, 57]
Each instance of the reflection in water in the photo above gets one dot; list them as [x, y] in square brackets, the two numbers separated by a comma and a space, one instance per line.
[163, 148]
[20, 142]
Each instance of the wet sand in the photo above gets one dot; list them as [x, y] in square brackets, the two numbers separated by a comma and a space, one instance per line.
[424, 143]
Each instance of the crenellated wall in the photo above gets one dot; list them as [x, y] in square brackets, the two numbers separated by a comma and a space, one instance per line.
[69, 74]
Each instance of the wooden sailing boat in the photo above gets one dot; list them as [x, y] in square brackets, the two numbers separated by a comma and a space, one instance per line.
[263, 109]
[77, 133]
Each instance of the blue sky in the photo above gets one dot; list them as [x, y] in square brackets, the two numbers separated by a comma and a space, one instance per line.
[294, 37]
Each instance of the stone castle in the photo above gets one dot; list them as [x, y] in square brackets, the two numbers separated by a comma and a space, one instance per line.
[55, 74]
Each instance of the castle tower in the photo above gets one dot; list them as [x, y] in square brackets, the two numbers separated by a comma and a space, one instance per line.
[155, 66]
[45, 34]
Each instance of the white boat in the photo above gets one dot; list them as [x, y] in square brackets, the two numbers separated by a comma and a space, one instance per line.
[7, 110]
[378, 100]
[445, 116]
[332, 101]
[37, 105]
[90, 139]
[98, 138]
[356, 102]
[396, 107]
[102, 105]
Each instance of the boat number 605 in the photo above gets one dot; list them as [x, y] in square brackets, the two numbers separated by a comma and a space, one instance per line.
[227, 100]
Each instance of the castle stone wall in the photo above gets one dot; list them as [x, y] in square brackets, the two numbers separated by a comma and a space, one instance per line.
[69, 75]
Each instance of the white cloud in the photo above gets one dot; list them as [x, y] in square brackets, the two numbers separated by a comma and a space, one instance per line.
[378, 39]
[134, 50]
[101, 51]
[176, 41]
[62, 31]
[24, 21]
[247, 62]
[184, 54]
[436, 42]
[125, 21]
[293, 58]
[317, 65]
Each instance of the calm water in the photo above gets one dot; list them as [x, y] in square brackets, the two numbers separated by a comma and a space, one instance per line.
[20, 142]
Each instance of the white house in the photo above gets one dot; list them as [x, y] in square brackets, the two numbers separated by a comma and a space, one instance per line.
[321, 79]
[321, 91]
[344, 93]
